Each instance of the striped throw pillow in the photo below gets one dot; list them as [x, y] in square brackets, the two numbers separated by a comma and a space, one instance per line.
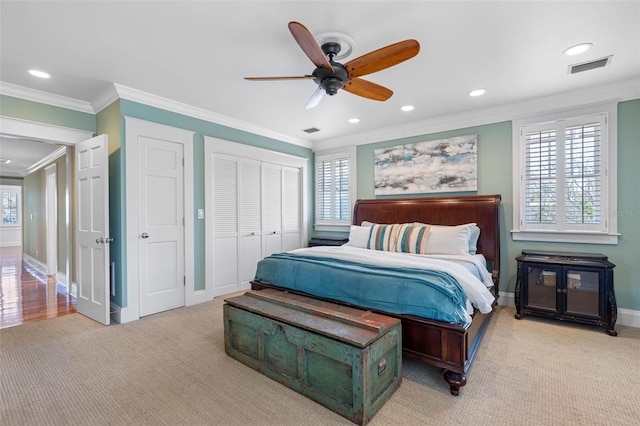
[383, 237]
[412, 239]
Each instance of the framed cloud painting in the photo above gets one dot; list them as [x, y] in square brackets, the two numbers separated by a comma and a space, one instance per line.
[445, 165]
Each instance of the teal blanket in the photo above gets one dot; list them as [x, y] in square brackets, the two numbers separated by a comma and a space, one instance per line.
[423, 293]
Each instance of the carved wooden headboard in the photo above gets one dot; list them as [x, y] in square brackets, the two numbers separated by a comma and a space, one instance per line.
[484, 210]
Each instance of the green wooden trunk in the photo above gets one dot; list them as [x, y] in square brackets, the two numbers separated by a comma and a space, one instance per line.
[346, 359]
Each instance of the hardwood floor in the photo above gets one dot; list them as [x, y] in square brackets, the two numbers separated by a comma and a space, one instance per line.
[26, 295]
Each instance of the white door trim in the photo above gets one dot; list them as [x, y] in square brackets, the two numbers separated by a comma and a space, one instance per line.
[133, 128]
[52, 218]
[60, 135]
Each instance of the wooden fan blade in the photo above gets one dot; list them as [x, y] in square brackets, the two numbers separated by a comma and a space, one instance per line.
[367, 89]
[382, 58]
[300, 77]
[309, 45]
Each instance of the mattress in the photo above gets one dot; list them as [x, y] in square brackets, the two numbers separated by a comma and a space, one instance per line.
[443, 289]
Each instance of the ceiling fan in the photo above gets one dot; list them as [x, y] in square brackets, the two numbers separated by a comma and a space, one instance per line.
[332, 76]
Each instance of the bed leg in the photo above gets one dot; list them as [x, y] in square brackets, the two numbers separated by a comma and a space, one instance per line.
[456, 381]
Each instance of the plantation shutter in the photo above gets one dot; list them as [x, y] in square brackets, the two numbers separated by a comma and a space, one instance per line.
[341, 195]
[583, 174]
[540, 180]
[323, 189]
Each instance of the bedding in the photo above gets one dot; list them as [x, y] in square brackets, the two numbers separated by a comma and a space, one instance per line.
[443, 288]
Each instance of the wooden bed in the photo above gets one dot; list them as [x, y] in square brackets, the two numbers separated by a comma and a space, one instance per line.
[448, 346]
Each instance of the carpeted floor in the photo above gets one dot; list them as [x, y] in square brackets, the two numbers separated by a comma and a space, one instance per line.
[171, 369]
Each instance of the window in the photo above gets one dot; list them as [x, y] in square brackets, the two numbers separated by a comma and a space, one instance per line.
[335, 183]
[10, 205]
[566, 185]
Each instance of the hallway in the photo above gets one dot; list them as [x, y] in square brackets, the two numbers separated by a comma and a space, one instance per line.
[26, 295]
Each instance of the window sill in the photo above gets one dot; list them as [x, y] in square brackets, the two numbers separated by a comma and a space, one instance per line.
[565, 237]
[343, 227]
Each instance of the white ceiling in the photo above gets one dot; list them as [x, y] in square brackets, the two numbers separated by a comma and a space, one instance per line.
[196, 54]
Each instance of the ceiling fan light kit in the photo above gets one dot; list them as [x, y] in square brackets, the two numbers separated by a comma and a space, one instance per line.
[331, 76]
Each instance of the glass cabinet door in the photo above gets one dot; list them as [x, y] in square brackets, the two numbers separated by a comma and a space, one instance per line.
[541, 288]
[583, 292]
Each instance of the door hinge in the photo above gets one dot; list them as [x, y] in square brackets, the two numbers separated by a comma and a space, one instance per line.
[184, 281]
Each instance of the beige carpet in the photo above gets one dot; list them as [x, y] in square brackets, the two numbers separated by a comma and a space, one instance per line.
[171, 369]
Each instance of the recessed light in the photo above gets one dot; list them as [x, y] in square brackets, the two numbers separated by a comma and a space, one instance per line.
[39, 74]
[577, 49]
[407, 108]
[5, 160]
[354, 120]
[477, 92]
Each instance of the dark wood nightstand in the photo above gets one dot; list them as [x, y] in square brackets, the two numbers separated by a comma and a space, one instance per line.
[567, 286]
[313, 242]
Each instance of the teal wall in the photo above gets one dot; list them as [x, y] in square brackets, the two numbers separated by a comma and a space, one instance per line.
[495, 177]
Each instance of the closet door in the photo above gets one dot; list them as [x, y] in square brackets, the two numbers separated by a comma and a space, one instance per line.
[291, 208]
[225, 225]
[250, 205]
[271, 209]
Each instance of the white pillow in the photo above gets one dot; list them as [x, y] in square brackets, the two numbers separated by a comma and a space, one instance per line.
[358, 236]
[367, 224]
[449, 239]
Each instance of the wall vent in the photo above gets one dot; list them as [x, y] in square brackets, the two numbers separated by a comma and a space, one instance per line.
[311, 130]
[591, 65]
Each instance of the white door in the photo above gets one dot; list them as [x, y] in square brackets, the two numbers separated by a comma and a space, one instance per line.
[92, 228]
[160, 225]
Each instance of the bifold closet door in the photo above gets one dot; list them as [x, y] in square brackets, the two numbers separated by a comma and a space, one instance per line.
[291, 208]
[225, 225]
[271, 209]
[250, 205]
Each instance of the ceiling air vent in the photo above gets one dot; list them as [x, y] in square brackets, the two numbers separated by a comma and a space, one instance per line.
[311, 130]
[591, 65]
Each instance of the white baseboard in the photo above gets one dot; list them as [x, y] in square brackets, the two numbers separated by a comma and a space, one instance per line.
[35, 264]
[62, 279]
[626, 317]
[116, 313]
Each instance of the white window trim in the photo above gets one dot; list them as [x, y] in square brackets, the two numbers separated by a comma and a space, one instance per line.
[16, 190]
[610, 236]
[326, 225]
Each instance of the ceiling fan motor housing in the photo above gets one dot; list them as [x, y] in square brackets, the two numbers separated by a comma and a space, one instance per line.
[331, 82]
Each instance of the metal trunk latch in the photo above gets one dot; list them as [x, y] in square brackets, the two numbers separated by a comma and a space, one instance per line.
[382, 366]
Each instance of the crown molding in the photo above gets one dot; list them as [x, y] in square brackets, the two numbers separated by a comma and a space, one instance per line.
[199, 113]
[620, 91]
[105, 98]
[39, 96]
[44, 161]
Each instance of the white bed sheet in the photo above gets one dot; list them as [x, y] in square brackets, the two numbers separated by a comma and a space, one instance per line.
[477, 293]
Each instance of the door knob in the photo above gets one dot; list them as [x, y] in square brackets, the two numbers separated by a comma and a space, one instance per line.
[144, 235]
[100, 240]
